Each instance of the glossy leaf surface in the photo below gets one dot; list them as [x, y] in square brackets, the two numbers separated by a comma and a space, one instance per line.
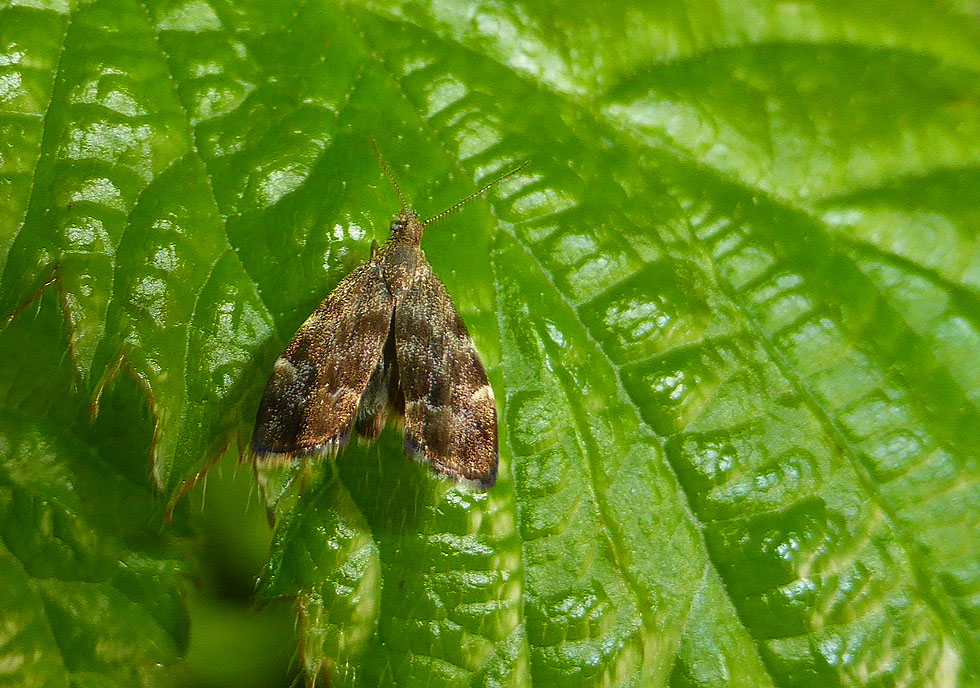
[730, 313]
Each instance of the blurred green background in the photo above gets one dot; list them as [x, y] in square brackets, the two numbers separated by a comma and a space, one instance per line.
[234, 641]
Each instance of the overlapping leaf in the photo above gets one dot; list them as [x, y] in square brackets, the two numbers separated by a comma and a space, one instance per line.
[89, 589]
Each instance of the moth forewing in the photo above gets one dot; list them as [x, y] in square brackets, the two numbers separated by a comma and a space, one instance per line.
[450, 416]
[317, 384]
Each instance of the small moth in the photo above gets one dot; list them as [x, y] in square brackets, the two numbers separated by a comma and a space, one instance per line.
[387, 342]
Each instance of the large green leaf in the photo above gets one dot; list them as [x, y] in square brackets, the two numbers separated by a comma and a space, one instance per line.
[731, 311]
[88, 577]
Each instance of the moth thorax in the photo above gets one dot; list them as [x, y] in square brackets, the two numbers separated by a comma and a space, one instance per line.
[406, 228]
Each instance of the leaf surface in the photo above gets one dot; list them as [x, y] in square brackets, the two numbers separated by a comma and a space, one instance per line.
[730, 313]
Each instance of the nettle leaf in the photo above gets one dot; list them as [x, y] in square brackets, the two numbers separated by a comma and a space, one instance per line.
[730, 311]
[89, 583]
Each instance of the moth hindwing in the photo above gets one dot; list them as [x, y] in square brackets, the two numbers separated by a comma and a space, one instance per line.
[387, 343]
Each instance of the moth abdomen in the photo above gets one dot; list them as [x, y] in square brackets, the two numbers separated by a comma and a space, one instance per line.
[376, 403]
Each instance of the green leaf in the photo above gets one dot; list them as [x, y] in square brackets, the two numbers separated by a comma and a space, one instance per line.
[89, 586]
[730, 312]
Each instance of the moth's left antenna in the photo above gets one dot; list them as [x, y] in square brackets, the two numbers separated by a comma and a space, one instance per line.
[389, 175]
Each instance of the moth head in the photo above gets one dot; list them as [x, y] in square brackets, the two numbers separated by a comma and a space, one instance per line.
[406, 227]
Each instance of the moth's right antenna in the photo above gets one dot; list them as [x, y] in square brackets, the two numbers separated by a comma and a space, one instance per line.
[456, 206]
[389, 175]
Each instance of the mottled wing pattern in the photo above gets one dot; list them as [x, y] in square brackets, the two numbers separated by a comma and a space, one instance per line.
[450, 416]
[316, 387]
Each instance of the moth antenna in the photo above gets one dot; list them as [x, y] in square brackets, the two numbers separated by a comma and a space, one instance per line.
[456, 206]
[389, 175]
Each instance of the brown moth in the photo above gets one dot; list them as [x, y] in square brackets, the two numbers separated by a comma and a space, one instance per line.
[386, 343]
